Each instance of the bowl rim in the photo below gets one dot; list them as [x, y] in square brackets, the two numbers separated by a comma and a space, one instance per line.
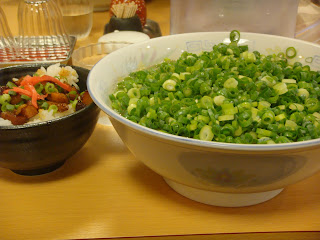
[190, 141]
[48, 122]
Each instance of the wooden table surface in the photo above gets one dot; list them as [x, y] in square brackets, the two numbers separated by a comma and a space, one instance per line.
[103, 192]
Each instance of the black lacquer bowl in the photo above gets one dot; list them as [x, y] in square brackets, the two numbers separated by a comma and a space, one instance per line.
[39, 148]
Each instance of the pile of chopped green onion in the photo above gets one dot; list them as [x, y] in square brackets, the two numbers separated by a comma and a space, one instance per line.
[226, 95]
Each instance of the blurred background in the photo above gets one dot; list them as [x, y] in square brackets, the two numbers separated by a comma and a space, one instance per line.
[307, 20]
[89, 22]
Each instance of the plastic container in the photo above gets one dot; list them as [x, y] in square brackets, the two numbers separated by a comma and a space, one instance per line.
[277, 17]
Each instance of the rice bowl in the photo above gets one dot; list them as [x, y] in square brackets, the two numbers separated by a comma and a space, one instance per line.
[41, 147]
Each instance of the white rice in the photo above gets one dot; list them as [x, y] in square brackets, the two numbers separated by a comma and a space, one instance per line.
[45, 115]
[67, 75]
[4, 122]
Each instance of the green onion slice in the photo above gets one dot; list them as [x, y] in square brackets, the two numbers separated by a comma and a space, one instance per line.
[53, 108]
[291, 52]
[234, 36]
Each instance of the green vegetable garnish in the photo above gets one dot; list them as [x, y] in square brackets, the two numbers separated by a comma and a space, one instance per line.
[228, 95]
[11, 84]
[44, 105]
[53, 108]
[291, 52]
[234, 36]
[25, 97]
[50, 88]
[5, 98]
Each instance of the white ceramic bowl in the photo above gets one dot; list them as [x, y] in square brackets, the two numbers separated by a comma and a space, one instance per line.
[221, 174]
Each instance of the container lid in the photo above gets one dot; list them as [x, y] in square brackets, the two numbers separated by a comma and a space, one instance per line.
[124, 36]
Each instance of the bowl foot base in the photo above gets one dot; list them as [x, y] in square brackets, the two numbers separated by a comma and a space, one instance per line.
[222, 199]
[39, 171]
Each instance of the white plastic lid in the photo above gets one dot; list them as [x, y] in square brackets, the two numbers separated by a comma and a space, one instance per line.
[124, 36]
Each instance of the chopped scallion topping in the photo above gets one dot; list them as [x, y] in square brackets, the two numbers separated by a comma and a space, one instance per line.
[229, 94]
[291, 52]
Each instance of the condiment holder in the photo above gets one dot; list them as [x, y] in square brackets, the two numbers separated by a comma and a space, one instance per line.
[124, 18]
[131, 15]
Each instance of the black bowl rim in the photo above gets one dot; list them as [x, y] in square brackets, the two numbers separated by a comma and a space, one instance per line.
[48, 122]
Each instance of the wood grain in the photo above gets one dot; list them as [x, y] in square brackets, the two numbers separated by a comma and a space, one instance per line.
[104, 192]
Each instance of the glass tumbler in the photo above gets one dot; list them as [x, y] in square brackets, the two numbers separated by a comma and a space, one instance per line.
[8, 44]
[42, 35]
[77, 17]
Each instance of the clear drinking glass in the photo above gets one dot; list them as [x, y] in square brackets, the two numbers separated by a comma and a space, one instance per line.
[8, 44]
[42, 35]
[77, 17]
